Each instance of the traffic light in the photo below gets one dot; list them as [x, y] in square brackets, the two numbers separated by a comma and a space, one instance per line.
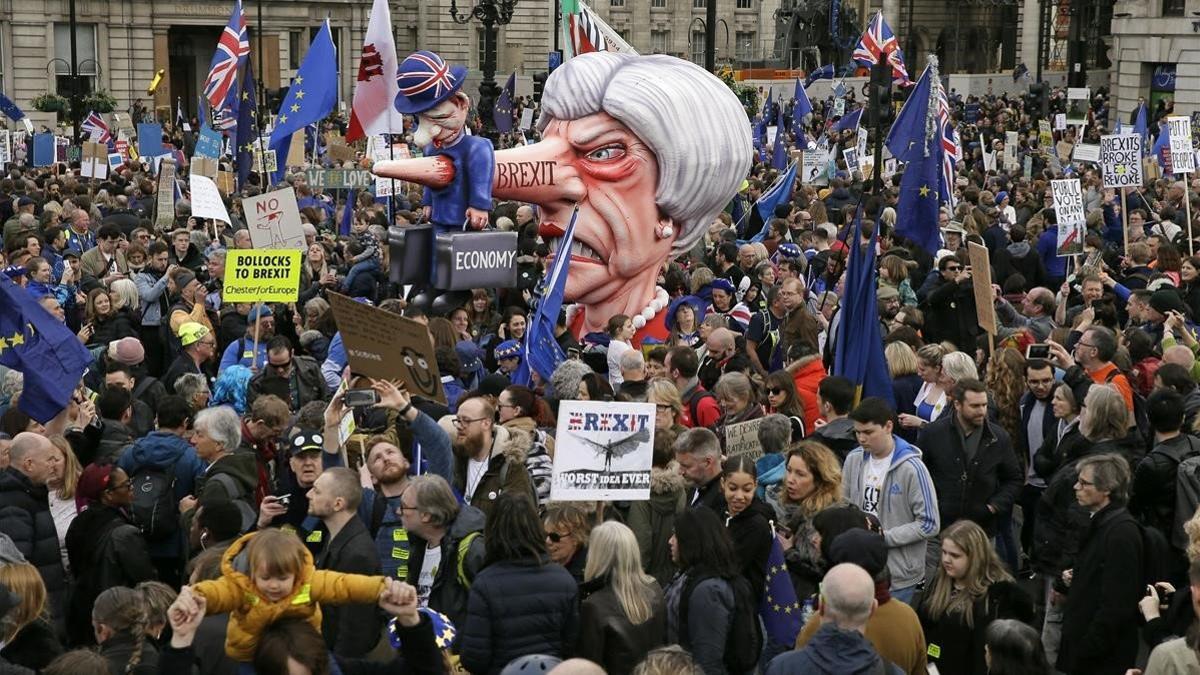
[539, 84]
[879, 102]
[1038, 103]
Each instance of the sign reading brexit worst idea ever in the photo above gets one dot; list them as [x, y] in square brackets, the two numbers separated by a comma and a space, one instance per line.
[603, 451]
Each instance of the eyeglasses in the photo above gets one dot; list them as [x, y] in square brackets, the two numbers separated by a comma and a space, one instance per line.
[119, 486]
[775, 391]
[953, 268]
[506, 405]
[208, 343]
[1085, 483]
[403, 507]
[281, 366]
[461, 422]
[555, 537]
[1081, 343]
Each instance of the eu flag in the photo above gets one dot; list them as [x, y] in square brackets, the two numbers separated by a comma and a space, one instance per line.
[347, 216]
[312, 95]
[11, 109]
[859, 356]
[247, 128]
[774, 196]
[41, 347]
[914, 138]
[1140, 126]
[779, 153]
[803, 105]
[542, 351]
[849, 121]
[825, 72]
[502, 114]
[779, 609]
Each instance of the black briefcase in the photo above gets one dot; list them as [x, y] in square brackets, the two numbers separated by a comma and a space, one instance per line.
[467, 260]
[409, 253]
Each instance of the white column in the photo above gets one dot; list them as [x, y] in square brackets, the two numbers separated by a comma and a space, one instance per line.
[1030, 19]
[891, 12]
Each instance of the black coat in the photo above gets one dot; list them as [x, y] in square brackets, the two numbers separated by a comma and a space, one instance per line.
[516, 608]
[1049, 425]
[1100, 619]
[350, 630]
[751, 533]
[1152, 500]
[34, 646]
[606, 635]
[105, 549]
[962, 645]
[25, 517]
[950, 314]
[966, 490]
[119, 649]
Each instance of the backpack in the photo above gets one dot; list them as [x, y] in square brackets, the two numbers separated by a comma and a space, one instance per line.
[239, 497]
[1157, 556]
[694, 406]
[155, 507]
[1187, 498]
[744, 642]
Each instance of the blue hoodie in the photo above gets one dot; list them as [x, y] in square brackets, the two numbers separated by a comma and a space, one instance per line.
[832, 651]
[161, 449]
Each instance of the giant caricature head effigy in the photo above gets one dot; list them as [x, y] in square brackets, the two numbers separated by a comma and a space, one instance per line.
[651, 148]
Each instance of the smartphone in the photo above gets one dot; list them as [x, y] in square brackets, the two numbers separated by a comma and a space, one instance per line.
[1037, 351]
[360, 398]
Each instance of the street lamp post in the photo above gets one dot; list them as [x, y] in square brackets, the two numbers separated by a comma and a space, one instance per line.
[492, 14]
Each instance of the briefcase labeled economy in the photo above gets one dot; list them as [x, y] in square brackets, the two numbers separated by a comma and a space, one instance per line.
[467, 260]
[409, 252]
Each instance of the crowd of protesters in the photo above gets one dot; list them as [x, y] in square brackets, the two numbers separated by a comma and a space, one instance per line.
[201, 507]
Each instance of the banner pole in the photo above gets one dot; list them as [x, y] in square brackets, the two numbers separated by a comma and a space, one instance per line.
[1187, 206]
[1124, 224]
[257, 327]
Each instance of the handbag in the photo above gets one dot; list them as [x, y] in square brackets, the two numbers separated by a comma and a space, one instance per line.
[409, 253]
[467, 260]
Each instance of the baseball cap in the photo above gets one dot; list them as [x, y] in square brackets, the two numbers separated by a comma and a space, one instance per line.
[258, 311]
[191, 333]
[306, 441]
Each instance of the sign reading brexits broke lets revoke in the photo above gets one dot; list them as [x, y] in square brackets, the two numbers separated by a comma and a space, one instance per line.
[387, 346]
[274, 220]
[262, 276]
[1072, 222]
[1121, 160]
[1183, 160]
[603, 451]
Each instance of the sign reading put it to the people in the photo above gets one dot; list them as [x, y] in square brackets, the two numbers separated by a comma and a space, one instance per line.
[262, 276]
[1183, 160]
[274, 220]
[603, 451]
[1121, 160]
[742, 439]
[383, 345]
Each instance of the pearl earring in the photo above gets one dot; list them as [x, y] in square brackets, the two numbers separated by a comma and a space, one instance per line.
[666, 232]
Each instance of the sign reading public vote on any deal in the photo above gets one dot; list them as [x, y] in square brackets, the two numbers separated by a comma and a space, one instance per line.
[262, 276]
[1121, 160]
[1072, 222]
[603, 451]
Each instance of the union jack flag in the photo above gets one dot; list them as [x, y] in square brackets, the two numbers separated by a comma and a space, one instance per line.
[951, 147]
[232, 50]
[97, 128]
[878, 42]
[585, 34]
[437, 76]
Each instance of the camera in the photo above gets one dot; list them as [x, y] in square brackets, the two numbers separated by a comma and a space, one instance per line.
[1038, 351]
[360, 398]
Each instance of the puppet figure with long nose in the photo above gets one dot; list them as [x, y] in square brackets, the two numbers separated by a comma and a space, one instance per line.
[650, 148]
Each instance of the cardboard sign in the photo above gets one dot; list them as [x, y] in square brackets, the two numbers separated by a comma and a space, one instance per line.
[206, 199]
[164, 214]
[603, 451]
[337, 149]
[149, 139]
[274, 220]
[225, 182]
[384, 345]
[93, 168]
[205, 166]
[1183, 160]
[981, 281]
[1072, 221]
[265, 160]
[295, 153]
[209, 143]
[1121, 160]
[742, 439]
[261, 276]
[339, 179]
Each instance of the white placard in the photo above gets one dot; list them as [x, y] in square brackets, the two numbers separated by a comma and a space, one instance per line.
[1121, 160]
[206, 199]
[1079, 93]
[1072, 222]
[377, 150]
[851, 157]
[94, 167]
[603, 451]
[526, 119]
[1060, 122]
[813, 168]
[1010, 151]
[274, 220]
[5, 146]
[1086, 152]
[1183, 160]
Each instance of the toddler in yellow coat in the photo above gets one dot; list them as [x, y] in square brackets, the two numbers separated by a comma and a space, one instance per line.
[269, 575]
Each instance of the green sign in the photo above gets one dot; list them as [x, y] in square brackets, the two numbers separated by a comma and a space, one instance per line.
[339, 179]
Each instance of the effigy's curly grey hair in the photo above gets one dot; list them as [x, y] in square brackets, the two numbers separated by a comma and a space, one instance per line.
[695, 125]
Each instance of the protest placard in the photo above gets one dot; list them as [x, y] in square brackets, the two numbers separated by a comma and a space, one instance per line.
[1121, 160]
[603, 451]
[295, 153]
[164, 212]
[205, 166]
[388, 346]
[742, 439]
[339, 179]
[149, 139]
[265, 160]
[1183, 159]
[1086, 152]
[225, 182]
[1010, 151]
[5, 146]
[94, 161]
[1027, 167]
[850, 155]
[274, 220]
[981, 281]
[813, 167]
[1072, 221]
[43, 149]
[526, 119]
[206, 199]
[1045, 135]
[209, 143]
[261, 276]
[115, 160]
[1060, 122]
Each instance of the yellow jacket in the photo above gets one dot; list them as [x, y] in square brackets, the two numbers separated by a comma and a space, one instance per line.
[250, 613]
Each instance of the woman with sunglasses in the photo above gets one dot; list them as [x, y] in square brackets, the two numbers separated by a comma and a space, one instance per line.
[104, 546]
[568, 527]
[782, 398]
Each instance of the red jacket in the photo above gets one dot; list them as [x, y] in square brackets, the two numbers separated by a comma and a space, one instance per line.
[807, 374]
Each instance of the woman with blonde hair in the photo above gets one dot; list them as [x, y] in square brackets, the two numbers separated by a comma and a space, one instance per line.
[26, 632]
[125, 296]
[813, 482]
[970, 590]
[624, 614]
[668, 405]
[931, 398]
[568, 528]
[64, 476]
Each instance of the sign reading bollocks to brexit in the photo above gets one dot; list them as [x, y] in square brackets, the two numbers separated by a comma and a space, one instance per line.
[256, 275]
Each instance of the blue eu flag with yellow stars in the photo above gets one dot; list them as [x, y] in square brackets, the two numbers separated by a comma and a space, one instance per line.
[542, 351]
[502, 115]
[37, 344]
[310, 98]
[247, 128]
[779, 609]
[914, 138]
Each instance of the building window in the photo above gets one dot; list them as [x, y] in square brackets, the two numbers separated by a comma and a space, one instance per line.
[295, 48]
[658, 41]
[745, 4]
[1173, 7]
[85, 50]
[744, 49]
[616, 3]
[698, 47]
[480, 52]
[658, 4]
[623, 33]
[700, 4]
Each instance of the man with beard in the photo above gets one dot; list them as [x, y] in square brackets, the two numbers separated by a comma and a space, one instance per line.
[351, 630]
[488, 459]
[389, 467]
[309, 455]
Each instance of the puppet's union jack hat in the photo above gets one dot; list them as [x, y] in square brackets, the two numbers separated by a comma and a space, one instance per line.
[425, 80]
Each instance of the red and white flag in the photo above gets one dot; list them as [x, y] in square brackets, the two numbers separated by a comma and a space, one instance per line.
[374, 111]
